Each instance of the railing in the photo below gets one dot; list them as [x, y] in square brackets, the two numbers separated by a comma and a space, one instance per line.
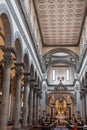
[40, 127]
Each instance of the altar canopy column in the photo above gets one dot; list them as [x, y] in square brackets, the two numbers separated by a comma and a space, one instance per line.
[16, 124]
[5, 88]
[26, 94]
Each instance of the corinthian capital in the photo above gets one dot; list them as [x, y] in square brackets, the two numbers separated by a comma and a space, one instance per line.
[8, 59]
[19, 69]
[26, 77]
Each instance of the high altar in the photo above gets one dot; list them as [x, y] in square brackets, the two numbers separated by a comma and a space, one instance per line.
[60, 103]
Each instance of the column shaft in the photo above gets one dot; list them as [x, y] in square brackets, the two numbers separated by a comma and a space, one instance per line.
[31, 106]
[25, 107]
[83, 108]
[34, 107]
[18, 96]
[5, 91]
[37, 109]
[86, 108]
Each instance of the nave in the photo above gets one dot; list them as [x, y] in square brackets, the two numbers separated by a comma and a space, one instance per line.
[43, 63]
[60, 128]
[57, 128]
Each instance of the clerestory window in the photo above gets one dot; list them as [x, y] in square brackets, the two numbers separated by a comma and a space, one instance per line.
[53, 74]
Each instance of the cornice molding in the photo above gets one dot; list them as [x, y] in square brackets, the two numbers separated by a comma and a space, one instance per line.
[84, 54]
[85, 14]
[52, 91]
[53, 85]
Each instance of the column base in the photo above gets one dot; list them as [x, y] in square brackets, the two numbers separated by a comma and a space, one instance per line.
[24, 127]
[16, 128]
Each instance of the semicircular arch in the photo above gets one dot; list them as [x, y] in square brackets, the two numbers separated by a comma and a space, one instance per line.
[18, 48]
[32, 70]
[26, 60]
[58, 62]
[7, 25]
[58, 50]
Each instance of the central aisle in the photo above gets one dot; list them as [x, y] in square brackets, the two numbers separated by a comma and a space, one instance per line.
[58, 128]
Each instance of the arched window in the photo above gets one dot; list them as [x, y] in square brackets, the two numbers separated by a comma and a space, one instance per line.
[53, 74]
[67, 75]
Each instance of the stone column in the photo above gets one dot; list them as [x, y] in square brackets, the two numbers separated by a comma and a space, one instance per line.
[16, 124]
[34, 106]
[37, 108]
[40, 113]
[0, 86]
[25, 105]
[0, 77]
[31, 105]
[84, 112]
[82, 103]
[5, 89]
[85, 103]
[86, 108]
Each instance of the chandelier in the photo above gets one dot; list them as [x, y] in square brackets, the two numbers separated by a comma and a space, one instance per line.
[60, 87]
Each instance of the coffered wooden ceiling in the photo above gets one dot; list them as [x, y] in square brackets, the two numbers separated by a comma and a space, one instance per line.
[60, 21]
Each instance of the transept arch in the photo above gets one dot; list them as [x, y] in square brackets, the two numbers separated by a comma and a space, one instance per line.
[62, 56]
[57, 50]
[58, 62]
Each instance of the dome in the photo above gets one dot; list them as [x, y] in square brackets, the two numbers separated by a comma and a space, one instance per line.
[60, 87]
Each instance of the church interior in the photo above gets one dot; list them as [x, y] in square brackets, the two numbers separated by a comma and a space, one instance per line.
[43, 64]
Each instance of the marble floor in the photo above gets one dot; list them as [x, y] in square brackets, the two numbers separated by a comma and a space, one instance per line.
[10, 128]
[58, 128]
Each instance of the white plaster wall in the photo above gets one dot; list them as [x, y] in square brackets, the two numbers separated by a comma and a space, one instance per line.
[61, 72]
[74, 49]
